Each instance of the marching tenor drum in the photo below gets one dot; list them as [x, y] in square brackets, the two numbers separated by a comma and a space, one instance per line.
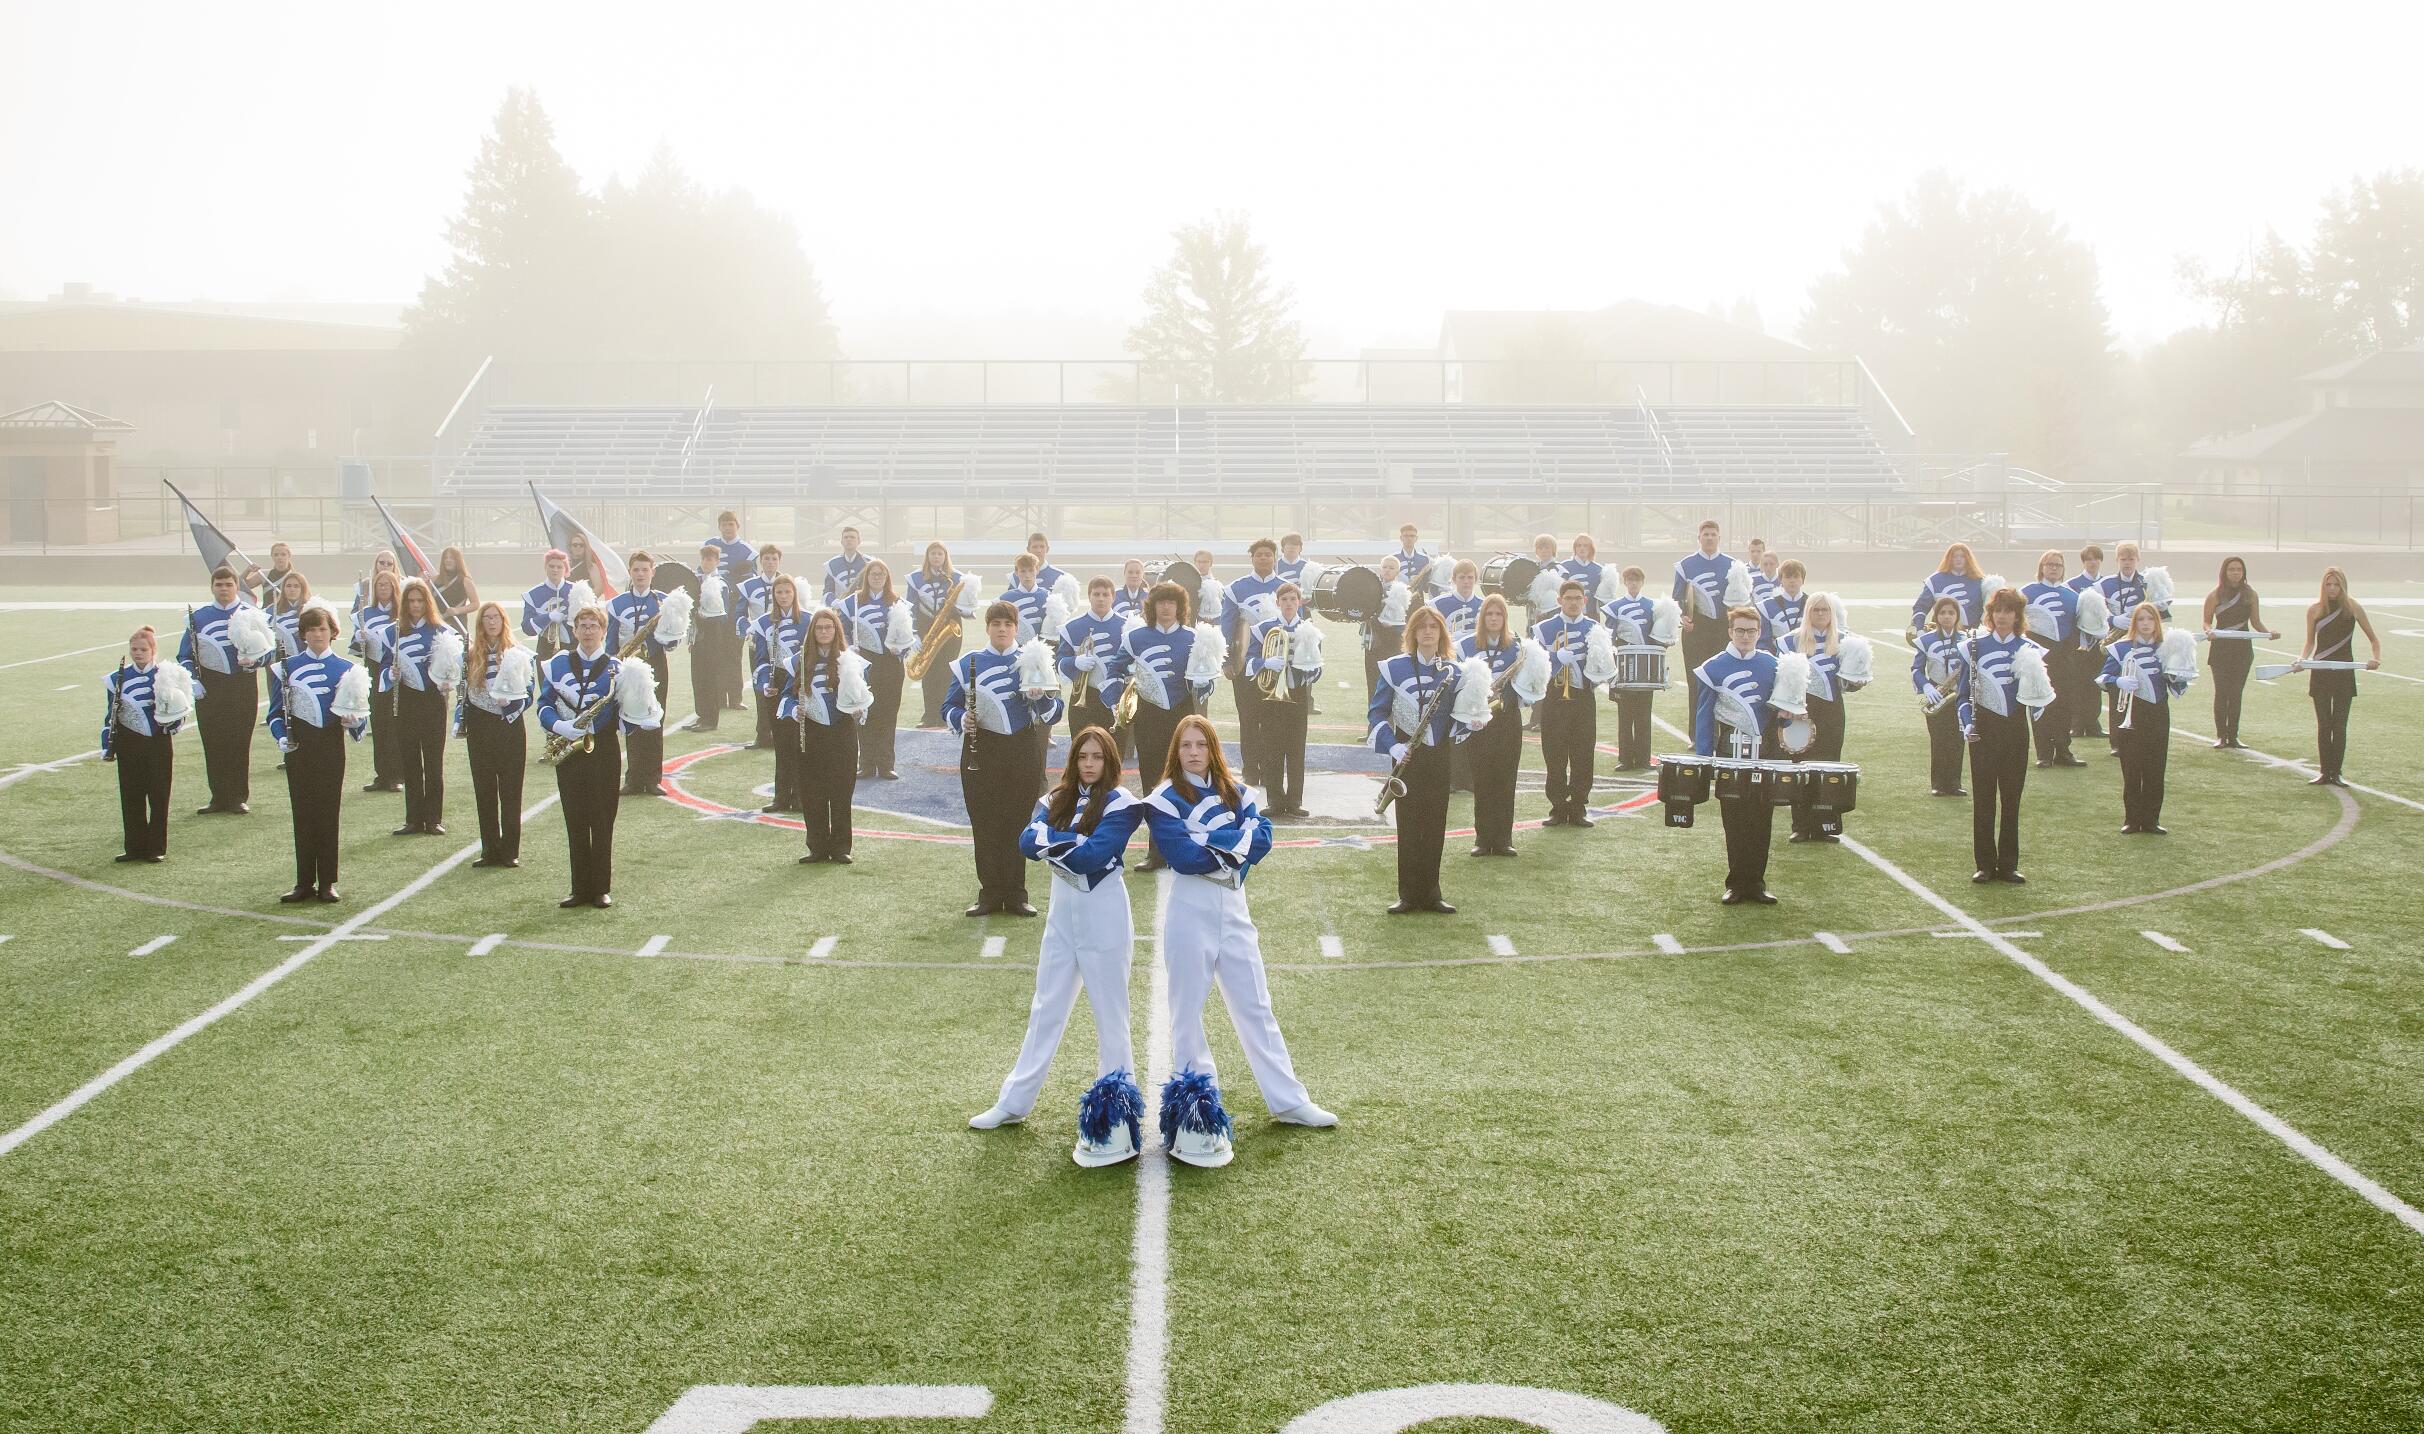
[1782, 783]
[1828, 791]
[1683, 783]
[1510, 576]
[1640, 669]
[1735, 779]
[1348, 594]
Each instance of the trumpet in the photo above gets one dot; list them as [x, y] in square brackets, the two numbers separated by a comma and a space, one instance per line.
[946, 622]
[558, 748]
[1273, 679]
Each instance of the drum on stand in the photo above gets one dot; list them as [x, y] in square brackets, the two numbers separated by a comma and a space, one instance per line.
[1510, 576]
[1683, 783]
[1828, 790]
[1781, 783]
[1347, 594]
[1640, 669]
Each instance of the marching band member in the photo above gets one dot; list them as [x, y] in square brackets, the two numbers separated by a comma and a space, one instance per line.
[828, 699]
[1584, 568]
[317, 701]
[1128, 599]
[1493, 720]
[586, 566]
[380, 562]
[225, 641]
[592, 697]
[1287, 653]
[458, 598]
[424, 661]
[1708, 585]
[1636, 620]
[1414, 732]
[281, 563]
[734, 557]
[1206, 829]
[1754, 554]
[1840, 662]
[842, 570]
[1737, 689]
[1041, 611]
[1780, 601]
[2053, 625]
[1002, 700]
[1582, 655]
[881, 632]
[1172, 666]
[1413, 563]
[1956, 576]
[757, 598]
[2122, 590]
[2003, 685]
[548, 607]
[2332, 623]
[2151, 669]
[775, 643]
[715, 646]
[148, 700]
[2090, 660]
[630, 611]
[1461, 605]
[286, 599]
[1090, 642]
[1384, 633]
[2231, 608]
[1080, 831]
[931, 587]
[1541, 600]
[1052, 579]
[499, 678]
[374, 640]
[1246, 605]
[1935, 676]
[1292, 563]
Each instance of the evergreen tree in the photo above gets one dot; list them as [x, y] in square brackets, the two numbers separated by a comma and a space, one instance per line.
[517, 283]
[1215, 327]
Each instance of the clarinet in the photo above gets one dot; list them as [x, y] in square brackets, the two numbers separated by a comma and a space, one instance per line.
[110, 730]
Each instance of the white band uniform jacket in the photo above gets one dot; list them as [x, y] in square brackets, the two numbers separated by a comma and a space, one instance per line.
[986, 682]
[133, 700]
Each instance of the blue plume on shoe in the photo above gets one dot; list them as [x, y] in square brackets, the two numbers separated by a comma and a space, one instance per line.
[1191, 1101]
[1113, 1100]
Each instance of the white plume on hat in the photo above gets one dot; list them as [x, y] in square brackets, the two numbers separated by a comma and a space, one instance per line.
[1056, 617]
[1737, 585]
[2158, 586]
[673, 618]
[1472, 705]
[635, 693]
[1611, 586]
[2095, 615]
[1666, 619]
[581, 595]
[1856, 663]
[351, 701]
[173, 692]
[1072, 597]
[1792, 694]
[446, 658]
[1304, 647]
[1599, 654]
[900, 634]
[852, 694]
[1531, 679]
[2030, 681]
[1543, 592]
[249, 633]
[1210, 654]
[1036, 674]
[1992, 584]
[711, 594]
[2178, 654]
[516, 668]
[1393, 604]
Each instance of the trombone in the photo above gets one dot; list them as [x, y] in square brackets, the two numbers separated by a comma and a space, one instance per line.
[946, 622]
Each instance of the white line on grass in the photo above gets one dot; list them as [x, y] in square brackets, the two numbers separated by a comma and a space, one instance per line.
[2264, 1120]
[1833, 943]
[2315, 934]
[357, 936]
[5, 938]
[54, 657]
[1148, 1384]
[2303, 768]
[654, 945]
[1501, 946]
[738, 1408]
[163, 607]
[993, 946]
[161, 1045]
[487, 943]
[157, 943]
[1332, 948]
[822, 947]
[2166, 942]
[72, 686]
[31, 768]
[1972, 935]
[1667, 943]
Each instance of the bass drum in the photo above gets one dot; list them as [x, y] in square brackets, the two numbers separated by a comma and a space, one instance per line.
[1352, 594]
[670, 576]
[1510, 576]
[1182, 572]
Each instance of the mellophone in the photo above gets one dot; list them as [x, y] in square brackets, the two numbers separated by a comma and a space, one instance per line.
[1828, 790]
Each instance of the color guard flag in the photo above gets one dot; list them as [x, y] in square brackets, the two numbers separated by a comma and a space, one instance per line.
[214, 546]
[409, 554]
[592, 561]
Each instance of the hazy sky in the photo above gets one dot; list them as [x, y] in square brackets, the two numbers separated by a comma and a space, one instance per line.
[1010, 159]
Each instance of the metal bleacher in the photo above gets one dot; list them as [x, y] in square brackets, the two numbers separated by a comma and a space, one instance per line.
[1213, 452]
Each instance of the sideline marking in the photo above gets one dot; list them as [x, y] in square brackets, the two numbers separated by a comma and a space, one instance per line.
[823, 947]
[157, 943]
[654, 945]
[2264, 1120]
[1667, 943]
[2321, 937]
[1972, 935]
[737, 1408]
[161, 1045]
[2165, 942]
[486, 944]
[54, 657]
[1148, 1382]
[993, 947]
[1332, 948]
[72, 686]
[1833, 943]
[2304, 768]
[1501, 946]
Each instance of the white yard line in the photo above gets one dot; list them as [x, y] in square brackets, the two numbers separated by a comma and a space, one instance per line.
[72, 686]
[2189, 1070]
[161, 1045]
[993, 947]
[1333, 949]
[1501, 946]
[654, 945]
[54, 657]
[822, 947]
[1667, 943]
[163, 606]
[2319, 936]
[2303, 767]
[738, 1408]
[1833, 943]
[157, 943]
[2166, 942]
[486, 944]
[33, 768]
[1148, 1382]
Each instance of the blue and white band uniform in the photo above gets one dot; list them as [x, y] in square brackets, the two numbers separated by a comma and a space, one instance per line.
[2121, 597]
[809, 697]
[1500, 658]
[548, 608]
[1764, 589]
[301, 689]
[738, 556]
[1966, 590]
[1129, 602]
[1249, 602]
[627, 614]
[573, 682]
[207, 645]
[1780, 613]
[1049, 577]
[478, 694]
[1411, 563]
[289, 625]
[1156, 659]
[927, 591]
[2143, 659]
[131, 698]
[1295, 674]
[408, 659]
[1084, 863]
[1462, 614]
[1032, 604]
[1001, 708]
[1587, 571]
[842, 575]
[2053, 613]
[773, 640]
[1629, 619]
[1098, 638]
[757, 600]
[873, 633]
[1407, 684]
[1987, 679]
[1701, 581]
[1292, 570]
[1568, 643]
[1826, 668]
[374, 634]
[1935, 661]
[1750, 679]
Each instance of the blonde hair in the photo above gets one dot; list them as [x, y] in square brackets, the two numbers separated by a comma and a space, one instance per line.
[1818, 603]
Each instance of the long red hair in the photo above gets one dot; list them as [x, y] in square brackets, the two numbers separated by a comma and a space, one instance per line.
[1216, 772]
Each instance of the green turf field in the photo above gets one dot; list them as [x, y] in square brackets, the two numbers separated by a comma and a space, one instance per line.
[2003, 1162]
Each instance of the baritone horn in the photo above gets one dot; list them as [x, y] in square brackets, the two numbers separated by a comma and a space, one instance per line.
[1273, 679]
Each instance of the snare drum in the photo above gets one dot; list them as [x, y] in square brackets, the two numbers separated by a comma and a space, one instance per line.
[1782, 783]
[1640, 669]
[1510, 576]
[1735, 779]
[1347, 594]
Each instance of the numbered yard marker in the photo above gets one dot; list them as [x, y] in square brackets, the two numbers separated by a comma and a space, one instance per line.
[734, 1408]
[1387, 1411]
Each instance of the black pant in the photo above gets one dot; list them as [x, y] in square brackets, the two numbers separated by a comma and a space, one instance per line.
[936, 684]
[829, 768]
[1283, 735]
[315, 789]
[147, 765]
[2052, 732]
[2229, 662]
[2332, 699]
[1386, 643]
[1826, 745]
[2084, 705]
[2145, 747]
[386, 738]
[1249, 701]
[1569, 739]
[587, 783]
[874, 742]
[1155, 727]
[999, 776]
[421, 717]
[226, 708]
[1495, 752]
[1998, 773]
[1701, 641]
[1422, 825]
[734, 666]
[1091, 713]
[787, 764]
[499, 751]
[1944, 747]
[766, 719]
[646, 745]
[709, 679]
[1632, 731]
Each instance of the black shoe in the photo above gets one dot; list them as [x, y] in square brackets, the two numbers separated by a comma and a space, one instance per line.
[372, 787]
[479, 861]
[1802, 836]
[1554, 819]
[2129, 829]
[2337, 782]
[570, 902]
[810, 859]
[602, 901]
[1440, 907]
[407, 830]
[702, 726]
[771, 807]
[327, 896]
[2067, 760]
[434, 829]
[211, 810]
[2156, 829]
[1731, 898]
[127, 856]
[2014, 878]
[2044, 762]
[1579, 820]
[1400, 908]
[656, 791]
[1017, 908]
[157, 856]
[1981, 878]
[891, 776]
[1153, 863]
[2320, 782]
[296, 897]
[1506, 851]
[982, 908]
[1481, 851]
[1764, 897]
[839, 858]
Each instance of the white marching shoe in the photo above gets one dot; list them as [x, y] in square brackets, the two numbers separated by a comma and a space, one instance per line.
[994, 1118]
[1307, 1114]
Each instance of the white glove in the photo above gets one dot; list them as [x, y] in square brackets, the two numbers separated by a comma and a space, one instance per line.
[1397, 752]
[1086, 662]
[2130, 683]
[286, 744]
[565, 730]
